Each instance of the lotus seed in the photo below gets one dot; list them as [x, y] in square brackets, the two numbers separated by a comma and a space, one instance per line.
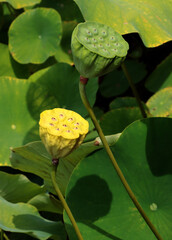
[100, 45]
[51, 124]
[108, 45]
[77, 123]
[61, 115]
[53, 119]
[94, 40]
[153, 207]
[112, 38]
[57, 129]
[76, 128]
[100, 38]
[70, 119]
[68, 131]
[104, 33]
[116, 44]
[64, 125]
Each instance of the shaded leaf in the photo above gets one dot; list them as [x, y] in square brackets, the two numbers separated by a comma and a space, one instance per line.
[115, 83]
[24, 218]
[120, 102]
[161, 77]
[9, 67]
[18, 188]
[46, 202]
[116, 120]
[62, 82]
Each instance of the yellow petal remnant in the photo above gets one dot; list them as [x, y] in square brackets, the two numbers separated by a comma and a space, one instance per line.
[62, 131]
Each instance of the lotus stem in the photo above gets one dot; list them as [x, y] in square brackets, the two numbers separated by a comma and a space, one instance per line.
[60, 195]
[134, 90]
[82, 84]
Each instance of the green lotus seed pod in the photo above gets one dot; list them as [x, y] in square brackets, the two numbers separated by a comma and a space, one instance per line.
[97, 49]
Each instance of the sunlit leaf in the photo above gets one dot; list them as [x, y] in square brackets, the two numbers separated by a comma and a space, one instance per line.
[151, 19]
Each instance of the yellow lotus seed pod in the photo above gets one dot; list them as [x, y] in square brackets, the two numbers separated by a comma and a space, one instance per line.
[61, 131]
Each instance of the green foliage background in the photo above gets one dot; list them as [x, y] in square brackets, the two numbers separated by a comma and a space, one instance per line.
[37, 73]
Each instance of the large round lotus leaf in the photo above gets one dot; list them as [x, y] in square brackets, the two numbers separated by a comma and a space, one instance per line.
[160, 104]
[62, 82]
[15, 120]
[9, 67]
[21, 3]
[115, 83]
[150, 18]
[35, 35]
[161, 77]
[98, 200]
[116, 120]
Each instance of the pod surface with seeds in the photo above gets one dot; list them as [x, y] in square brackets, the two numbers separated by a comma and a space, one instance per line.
[62, 131]
[97, 49]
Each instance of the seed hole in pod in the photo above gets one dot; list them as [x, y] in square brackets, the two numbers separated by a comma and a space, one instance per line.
[76, 128]
[114, 49]
[94, 40]
[70, 119]
[112, 38]
[108, 45]
[77, 123]
[68, 131]
[51, 124]
[57, 129]
[104, 33]
[53, 118]
[61, 115]
[116, 44]
[64, 125]
[89, 33]
[100, 38]
[100, 45]
[104, 49]
[95, 30]
[94, 45]
[87, 39]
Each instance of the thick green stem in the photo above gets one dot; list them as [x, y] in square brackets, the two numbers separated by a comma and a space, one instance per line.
[134, 90]
[86, 103]
[64, 203]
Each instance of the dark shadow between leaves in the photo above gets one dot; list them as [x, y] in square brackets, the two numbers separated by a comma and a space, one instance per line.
[89, 200]
[158, 146]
